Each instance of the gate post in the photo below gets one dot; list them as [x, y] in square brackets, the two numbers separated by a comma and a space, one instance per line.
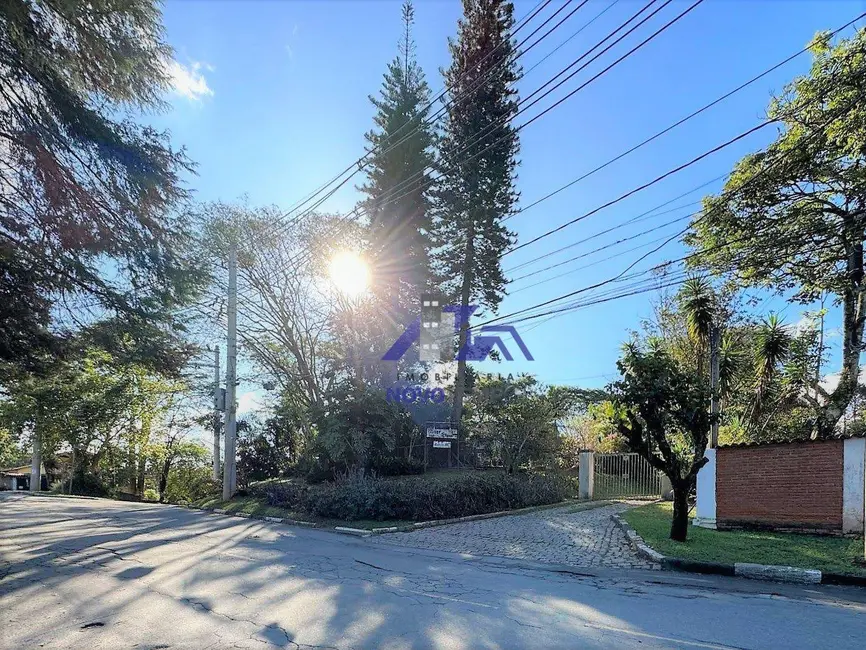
[705, 510]
[586, 474]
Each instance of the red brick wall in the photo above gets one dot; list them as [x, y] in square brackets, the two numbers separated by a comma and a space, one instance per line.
[797, 485]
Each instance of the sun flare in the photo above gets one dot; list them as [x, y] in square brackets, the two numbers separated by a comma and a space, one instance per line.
[349, 273]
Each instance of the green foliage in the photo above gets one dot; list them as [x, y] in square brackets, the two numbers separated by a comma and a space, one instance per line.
[662, 411]
[360, 429]
[89, 192]
[263, 452]
[186, 484]
[10, 453]
[479, 154]
[399, 180]
[791, 217]
[422, 498]
[518, 420]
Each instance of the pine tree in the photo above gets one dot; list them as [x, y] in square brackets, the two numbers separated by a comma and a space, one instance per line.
[89, 202]
[479, 160]
[398, 178]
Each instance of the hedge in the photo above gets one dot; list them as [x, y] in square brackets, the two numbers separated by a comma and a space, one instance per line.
[419, 498]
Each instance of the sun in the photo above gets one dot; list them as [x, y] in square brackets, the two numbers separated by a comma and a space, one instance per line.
[349, 273]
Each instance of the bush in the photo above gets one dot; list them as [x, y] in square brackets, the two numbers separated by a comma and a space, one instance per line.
[87, 484]
[151, 495]
[398, 467]
[319, 473]
[425, 498]
[190, 484]
[283, 494]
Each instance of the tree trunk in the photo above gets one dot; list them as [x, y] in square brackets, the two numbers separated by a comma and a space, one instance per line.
[465, 294]
[163, 479]
[853, 320]
[680, 522]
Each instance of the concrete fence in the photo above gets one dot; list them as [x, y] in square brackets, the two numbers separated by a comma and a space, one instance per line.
[813, 486]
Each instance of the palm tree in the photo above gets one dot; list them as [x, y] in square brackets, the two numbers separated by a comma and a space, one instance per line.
[772, 349]
[698, 302]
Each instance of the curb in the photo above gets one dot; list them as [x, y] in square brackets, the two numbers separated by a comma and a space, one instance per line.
[367, 532]
[589, 505]
[773, 572]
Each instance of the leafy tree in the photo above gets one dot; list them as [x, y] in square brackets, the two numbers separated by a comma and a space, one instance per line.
[662, 412]
[10, 452]
[518, 419]
[479, 160]
[793, 216]
[266, 451]
[360, 429]
[398, 186]
[90, 198]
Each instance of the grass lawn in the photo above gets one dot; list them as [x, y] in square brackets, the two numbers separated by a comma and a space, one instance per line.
[257, 507]
[830, 554]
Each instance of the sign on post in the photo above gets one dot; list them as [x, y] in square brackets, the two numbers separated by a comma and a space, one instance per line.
[441, 444]
[436, 432]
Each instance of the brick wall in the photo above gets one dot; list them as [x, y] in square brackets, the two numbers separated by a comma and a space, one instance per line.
[796, 485]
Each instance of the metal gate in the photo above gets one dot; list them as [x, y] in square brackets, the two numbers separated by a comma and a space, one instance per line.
[625, 475]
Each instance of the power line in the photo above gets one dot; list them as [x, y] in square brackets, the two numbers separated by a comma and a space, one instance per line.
[482, 136]
[640, 188]
[668, 240]
[361, 162]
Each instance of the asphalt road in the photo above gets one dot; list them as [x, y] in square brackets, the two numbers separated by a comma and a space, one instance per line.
[101, 574]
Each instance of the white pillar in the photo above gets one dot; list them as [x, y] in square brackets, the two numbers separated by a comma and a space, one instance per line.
[853, 484]
[587, 474]
[705, 511]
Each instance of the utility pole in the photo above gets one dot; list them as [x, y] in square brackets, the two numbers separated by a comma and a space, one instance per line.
[217, 419]
[229, 466]
[36, 460]
[715, 343]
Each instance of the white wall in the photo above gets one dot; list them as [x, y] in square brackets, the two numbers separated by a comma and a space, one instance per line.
[853, 485]
[705, 510]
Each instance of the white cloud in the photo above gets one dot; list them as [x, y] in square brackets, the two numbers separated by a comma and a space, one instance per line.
[188, 81]
[249, 402]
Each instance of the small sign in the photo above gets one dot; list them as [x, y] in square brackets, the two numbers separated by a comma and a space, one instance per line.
[433, 432]
[441, 444]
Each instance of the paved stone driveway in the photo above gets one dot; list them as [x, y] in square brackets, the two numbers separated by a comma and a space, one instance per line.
[588, 538]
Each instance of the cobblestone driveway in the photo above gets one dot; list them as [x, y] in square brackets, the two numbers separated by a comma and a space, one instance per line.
[588, 538]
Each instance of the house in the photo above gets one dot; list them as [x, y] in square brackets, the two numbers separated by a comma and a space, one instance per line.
[18, 478]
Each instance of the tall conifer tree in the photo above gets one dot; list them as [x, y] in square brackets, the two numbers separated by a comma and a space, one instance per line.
[478, 161]
[398, 186]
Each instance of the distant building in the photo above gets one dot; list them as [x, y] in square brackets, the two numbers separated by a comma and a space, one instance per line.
[18, 478]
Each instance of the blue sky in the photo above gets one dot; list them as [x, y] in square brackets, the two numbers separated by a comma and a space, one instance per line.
[272, 101]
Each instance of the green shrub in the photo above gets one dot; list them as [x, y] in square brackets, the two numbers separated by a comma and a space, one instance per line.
[283, 494]
[88, 484]
[190, 484]
[151, 495]
[425, 498]
[398, 467]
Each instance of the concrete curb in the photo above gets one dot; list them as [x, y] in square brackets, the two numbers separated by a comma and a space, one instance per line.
[774, 572]
[367, 532]
[589, 505]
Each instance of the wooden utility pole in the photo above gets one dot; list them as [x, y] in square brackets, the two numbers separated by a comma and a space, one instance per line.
[715, 344]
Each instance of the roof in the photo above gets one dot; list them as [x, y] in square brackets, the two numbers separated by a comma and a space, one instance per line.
[23, 470]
